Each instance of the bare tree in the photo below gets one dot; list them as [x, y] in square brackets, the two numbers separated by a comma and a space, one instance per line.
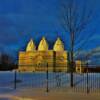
[75, 16]
[6, 62]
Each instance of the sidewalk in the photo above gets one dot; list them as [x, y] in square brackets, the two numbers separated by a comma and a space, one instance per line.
[40, 94]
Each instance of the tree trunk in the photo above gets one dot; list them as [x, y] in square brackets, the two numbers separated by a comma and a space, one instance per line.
[71, 71]
[72, 59]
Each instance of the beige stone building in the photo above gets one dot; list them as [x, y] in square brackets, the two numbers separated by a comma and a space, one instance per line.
[80, 66]
[42, 58]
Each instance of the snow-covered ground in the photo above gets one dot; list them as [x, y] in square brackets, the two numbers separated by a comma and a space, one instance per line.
[38, 80]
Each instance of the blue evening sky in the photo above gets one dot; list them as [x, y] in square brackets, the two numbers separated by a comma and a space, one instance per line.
[21, 20]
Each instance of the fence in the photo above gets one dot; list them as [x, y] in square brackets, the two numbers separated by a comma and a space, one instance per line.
[85, 82]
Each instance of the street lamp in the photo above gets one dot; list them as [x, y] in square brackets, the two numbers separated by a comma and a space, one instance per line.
[47, 87]
[87, 78]
[15, 78]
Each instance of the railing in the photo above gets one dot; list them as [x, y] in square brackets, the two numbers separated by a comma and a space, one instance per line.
[56, 80]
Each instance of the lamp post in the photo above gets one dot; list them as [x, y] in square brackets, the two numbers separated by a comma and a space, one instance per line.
[15, 75]
[87, 79]
[47, 86]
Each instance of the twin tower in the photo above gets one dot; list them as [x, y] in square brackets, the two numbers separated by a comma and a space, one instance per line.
[40, 59]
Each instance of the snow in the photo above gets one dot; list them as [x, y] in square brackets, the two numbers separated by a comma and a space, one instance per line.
[38, 80]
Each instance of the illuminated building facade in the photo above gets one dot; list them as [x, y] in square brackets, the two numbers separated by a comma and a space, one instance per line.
[40, 59]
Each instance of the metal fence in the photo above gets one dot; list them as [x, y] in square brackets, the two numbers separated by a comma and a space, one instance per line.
[85, 82]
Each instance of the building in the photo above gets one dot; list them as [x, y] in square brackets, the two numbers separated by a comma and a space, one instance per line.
[42, 58]
[80, 66]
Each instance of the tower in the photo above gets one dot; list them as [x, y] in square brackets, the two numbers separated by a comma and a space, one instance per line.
[58, 46]
[43, 45]
[60, 56]
[31, 46]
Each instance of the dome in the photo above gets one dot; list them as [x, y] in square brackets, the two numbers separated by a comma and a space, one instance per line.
[31, 46]
[58, 46]
[43, 46]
